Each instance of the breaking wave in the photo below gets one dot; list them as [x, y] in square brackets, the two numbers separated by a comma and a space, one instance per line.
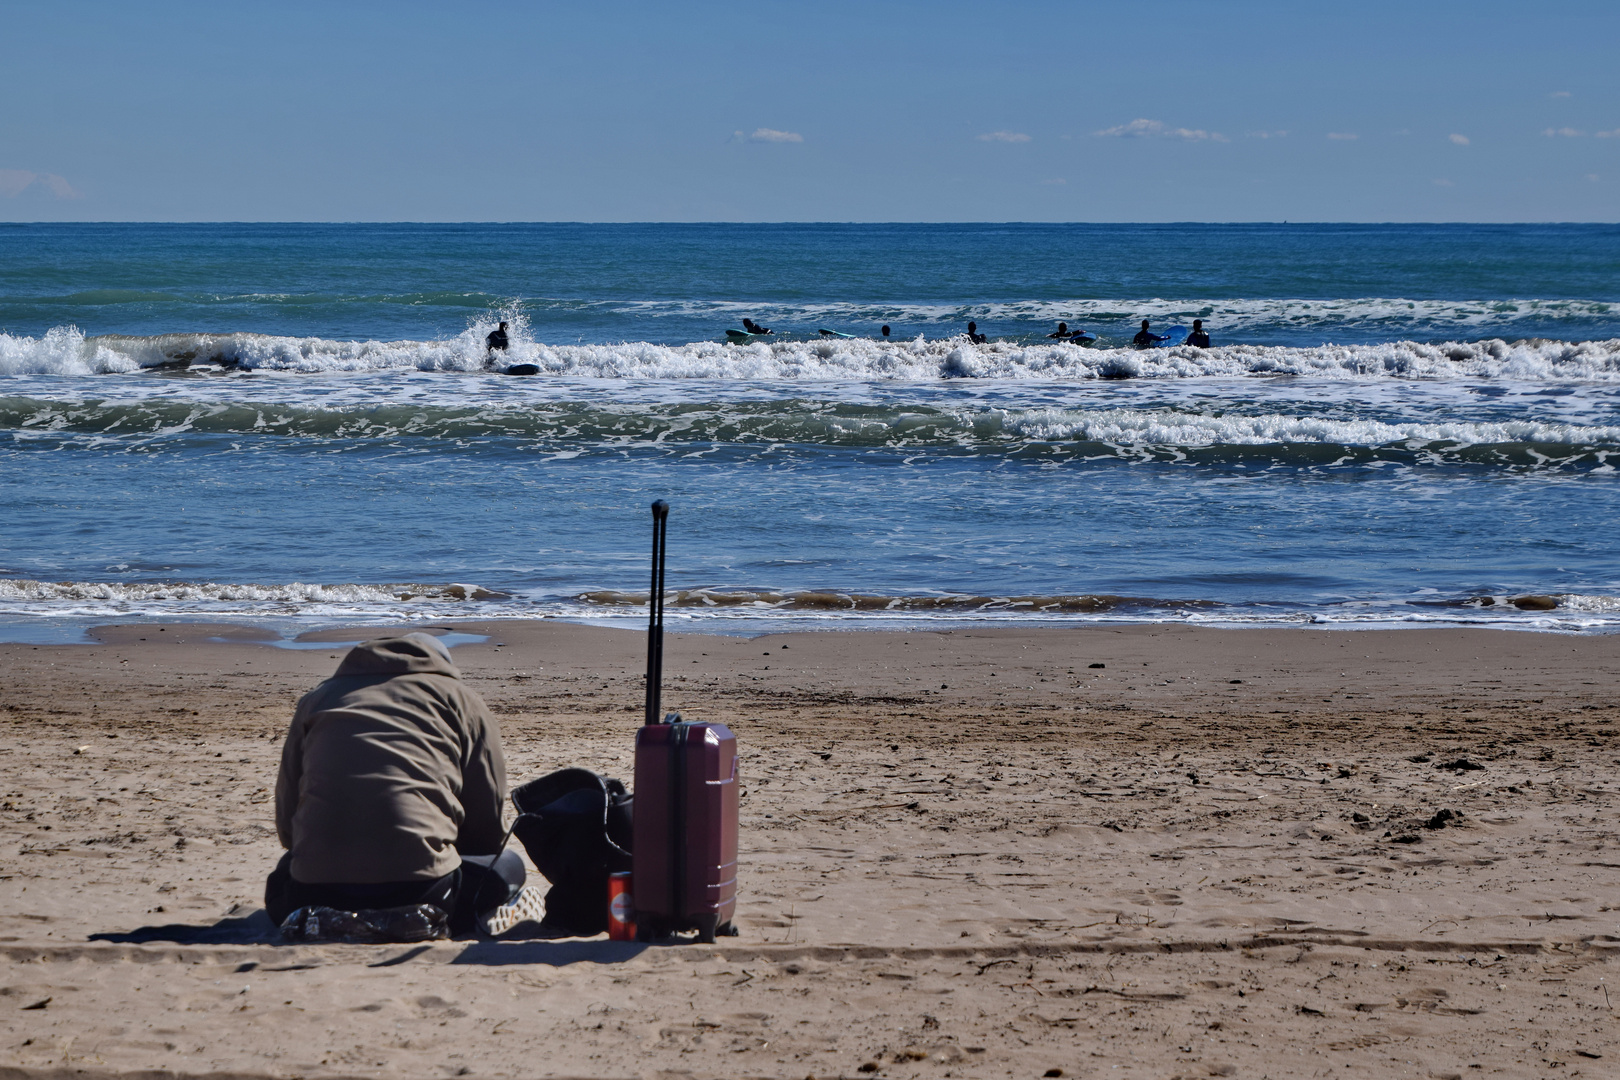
[105, 598]
[828, 601]
[66, 351]
[767, 609]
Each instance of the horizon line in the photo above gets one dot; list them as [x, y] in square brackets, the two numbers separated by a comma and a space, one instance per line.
[563, 221]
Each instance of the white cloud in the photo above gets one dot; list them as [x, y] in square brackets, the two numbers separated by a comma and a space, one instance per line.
[1136, 129]
[1592, 176]
[772, 135]
[1442, 182]
[1460, 140]
[1559, 93]
[1566, 132]
[14, 182]
[1141, 129]
[1343, 136]
[1266, 135]
[1003, 136]
[1615, 134]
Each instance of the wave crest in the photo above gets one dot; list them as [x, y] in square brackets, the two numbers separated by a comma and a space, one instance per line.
[66, 351]
[15, 590]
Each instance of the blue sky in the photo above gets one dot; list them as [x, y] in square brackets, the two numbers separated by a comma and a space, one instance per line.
[874, 111]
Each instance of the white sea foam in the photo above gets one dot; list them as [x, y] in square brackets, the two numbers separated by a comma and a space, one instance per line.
[1133, 427]
[586, 427]
[761, 609]
[66, 351]
[15, 591]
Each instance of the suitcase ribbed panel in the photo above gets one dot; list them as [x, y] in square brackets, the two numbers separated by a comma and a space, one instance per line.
[685, 850]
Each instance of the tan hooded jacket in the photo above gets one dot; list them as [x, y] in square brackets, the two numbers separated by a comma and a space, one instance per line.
[392, 769]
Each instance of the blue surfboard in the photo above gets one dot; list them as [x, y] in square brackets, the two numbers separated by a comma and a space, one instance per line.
[1176, 335]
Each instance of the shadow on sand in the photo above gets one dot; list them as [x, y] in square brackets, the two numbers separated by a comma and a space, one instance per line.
[254, 929]
[257, 929]
[550, 953]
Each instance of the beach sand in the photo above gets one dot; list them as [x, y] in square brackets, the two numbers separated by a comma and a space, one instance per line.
[964, 853]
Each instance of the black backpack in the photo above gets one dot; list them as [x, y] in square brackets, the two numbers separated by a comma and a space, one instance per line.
[575, 825]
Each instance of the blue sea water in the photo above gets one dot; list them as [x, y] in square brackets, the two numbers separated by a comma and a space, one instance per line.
[1393, 425]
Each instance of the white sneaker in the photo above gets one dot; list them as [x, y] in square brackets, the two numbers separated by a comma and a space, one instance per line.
[529, 905]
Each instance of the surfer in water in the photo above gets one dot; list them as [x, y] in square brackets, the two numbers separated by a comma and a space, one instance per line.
[754, 328]
[1198, 338]
[1145, 338]
[885, 331]
[1065, 334]
[974, 335]
[496, 341]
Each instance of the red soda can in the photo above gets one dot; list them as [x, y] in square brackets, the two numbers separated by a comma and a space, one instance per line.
[621, 908]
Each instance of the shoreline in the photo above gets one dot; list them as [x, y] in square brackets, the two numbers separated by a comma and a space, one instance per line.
[50, 630]
[963, 851]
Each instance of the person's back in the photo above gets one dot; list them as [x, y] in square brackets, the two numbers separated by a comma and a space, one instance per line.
[974, 336]
[1198, 338]
[391, 771]
[496, 339]
[1145, 337]
[390, 793]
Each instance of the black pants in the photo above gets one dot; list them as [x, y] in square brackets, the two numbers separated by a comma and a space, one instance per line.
[481, 883]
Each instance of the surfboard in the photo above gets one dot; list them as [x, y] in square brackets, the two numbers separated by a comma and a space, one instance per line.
[833, 333]
[743, 337]
[1176, 335]
[523, 369]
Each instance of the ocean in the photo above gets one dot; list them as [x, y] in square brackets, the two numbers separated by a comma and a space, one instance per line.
[295, 425]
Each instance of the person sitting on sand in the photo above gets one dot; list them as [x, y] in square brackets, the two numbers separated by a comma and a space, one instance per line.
[1198, 337]
[754, 328]
[974, 335]
[496, 340]
[1145, 338]
[390, 792]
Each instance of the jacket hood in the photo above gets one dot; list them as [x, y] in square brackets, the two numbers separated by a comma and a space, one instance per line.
[413, 654]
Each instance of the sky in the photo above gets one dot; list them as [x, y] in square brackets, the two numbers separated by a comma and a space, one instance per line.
[1157, 110]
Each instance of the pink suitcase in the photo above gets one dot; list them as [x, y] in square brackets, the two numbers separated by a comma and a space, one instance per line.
[684, 850]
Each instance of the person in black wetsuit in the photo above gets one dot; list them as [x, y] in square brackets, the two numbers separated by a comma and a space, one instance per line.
[974, 335]
[1145, 338]
[885, 332]
[496, 341]
[1065, 334]
[754, 328]
[1198, 337]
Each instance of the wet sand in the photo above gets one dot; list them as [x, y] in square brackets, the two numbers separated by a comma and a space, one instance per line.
[971, 853]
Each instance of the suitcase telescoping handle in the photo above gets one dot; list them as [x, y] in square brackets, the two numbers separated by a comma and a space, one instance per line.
[655, 614]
